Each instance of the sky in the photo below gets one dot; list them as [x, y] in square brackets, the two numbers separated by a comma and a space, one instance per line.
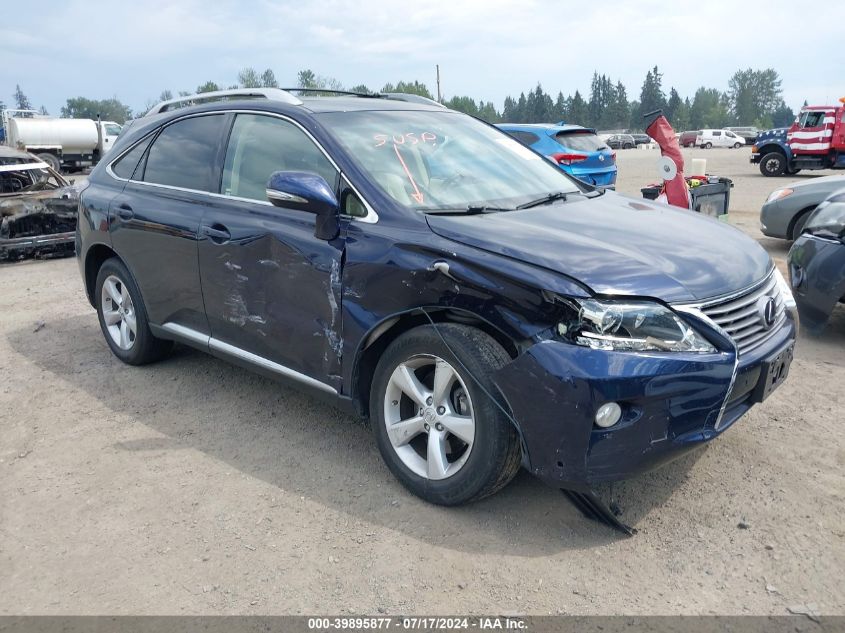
[486, 49]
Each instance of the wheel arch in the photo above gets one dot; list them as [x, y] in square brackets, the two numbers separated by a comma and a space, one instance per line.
[803, 212]
[94, 259]
[389, 329]
[768, 148]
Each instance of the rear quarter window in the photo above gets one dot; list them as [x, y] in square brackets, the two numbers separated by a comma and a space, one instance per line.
[526, 138]
[127, 165]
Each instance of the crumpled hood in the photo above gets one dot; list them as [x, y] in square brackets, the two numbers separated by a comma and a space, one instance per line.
[619, 245]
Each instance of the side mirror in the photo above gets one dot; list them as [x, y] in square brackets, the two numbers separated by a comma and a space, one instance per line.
[307, 192]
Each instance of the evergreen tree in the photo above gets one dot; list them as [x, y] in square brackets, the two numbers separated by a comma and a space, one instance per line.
[268, 79]
[578, 111]
[651, 97]
[208, 86]
[21, 100]
[560, 109]
[248, 78]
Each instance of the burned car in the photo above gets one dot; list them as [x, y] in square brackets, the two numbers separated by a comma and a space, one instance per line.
[37, 208]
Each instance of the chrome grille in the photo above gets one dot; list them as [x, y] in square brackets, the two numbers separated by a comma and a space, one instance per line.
[740, 316]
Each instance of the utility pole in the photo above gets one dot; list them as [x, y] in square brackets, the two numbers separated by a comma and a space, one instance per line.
[439, 96]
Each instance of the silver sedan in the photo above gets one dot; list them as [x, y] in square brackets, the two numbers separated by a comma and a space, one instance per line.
[787, 208]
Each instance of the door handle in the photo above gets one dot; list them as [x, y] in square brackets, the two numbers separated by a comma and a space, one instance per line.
[218, 233]
[125, 212]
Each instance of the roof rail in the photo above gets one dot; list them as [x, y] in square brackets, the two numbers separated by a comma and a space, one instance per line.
[410, 98]
[348, 93]
[274, 94]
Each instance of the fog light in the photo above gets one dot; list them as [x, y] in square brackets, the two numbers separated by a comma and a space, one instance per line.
[608, 415]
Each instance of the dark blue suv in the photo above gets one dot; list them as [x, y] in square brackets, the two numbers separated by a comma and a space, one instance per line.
[423, 269]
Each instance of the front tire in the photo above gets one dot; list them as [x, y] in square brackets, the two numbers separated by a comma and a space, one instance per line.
[437, 430]
[123, 317]
[627, 146]
[798, 226]
[737, 145]
[773, 164]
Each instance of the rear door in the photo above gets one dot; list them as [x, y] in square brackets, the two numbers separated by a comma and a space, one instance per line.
[271, 289]
[155, 221]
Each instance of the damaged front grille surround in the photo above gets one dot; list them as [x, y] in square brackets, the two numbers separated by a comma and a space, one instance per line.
[749, 317]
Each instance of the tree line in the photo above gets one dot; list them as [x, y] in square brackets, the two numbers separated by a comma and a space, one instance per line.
[753, 97]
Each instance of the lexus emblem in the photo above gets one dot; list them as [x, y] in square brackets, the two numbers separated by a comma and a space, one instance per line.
[601, 157]
[766, 308]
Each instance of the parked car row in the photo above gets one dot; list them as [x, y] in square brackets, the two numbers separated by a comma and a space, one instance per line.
[728, 137]
[427, 271]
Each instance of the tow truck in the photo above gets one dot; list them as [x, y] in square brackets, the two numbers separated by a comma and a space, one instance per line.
[816, 140]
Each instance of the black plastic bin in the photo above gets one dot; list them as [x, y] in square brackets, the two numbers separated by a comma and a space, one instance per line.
[710, 198]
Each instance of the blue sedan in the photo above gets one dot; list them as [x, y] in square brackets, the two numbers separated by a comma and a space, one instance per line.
[576, 150]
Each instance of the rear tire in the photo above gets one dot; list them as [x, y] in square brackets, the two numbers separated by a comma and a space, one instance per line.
[707, 145]
[123, 317]
[773, 164]
[51, 160]
[439, 433]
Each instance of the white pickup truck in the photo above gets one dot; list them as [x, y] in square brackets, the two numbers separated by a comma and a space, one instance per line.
[64, 144]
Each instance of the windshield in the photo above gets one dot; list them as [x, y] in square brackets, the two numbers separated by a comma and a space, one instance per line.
[444, 160]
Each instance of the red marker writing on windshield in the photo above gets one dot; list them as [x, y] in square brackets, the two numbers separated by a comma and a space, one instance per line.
[417, 195]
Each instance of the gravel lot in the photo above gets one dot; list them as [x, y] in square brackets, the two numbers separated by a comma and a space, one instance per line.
[195, 487]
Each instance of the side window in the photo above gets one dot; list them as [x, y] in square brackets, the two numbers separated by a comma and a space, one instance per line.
[185, 154]
[126, 166]
[814, 119]
[260, 145]
[526, 138]
[352, 205]
[113, 129]
[717, 134]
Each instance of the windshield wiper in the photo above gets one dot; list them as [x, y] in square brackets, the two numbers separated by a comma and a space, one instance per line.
[468, 210]
[548, 199]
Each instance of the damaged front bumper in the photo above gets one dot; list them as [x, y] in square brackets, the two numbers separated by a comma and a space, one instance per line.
[671, 403]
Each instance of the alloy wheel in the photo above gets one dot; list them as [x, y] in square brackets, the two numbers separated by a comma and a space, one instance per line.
[118, 312]
[429, 417]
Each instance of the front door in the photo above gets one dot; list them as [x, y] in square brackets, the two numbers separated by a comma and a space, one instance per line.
[271, 288]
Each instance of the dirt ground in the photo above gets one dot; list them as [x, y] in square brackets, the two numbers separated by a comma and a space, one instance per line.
[194, 487]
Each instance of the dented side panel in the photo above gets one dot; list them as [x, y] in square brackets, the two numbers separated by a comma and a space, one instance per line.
[272, 288]
[384, 278]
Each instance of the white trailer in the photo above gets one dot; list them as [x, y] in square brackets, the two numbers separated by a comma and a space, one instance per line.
[69, 144]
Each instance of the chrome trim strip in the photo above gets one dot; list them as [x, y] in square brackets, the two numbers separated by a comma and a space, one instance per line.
[370, 218]
[284, 196]
[729, 296]
[696, 312]
[248, 357]
[260, 361]
[187, 333]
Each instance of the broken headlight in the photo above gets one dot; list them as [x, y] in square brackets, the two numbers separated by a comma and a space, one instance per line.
[630, 326]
